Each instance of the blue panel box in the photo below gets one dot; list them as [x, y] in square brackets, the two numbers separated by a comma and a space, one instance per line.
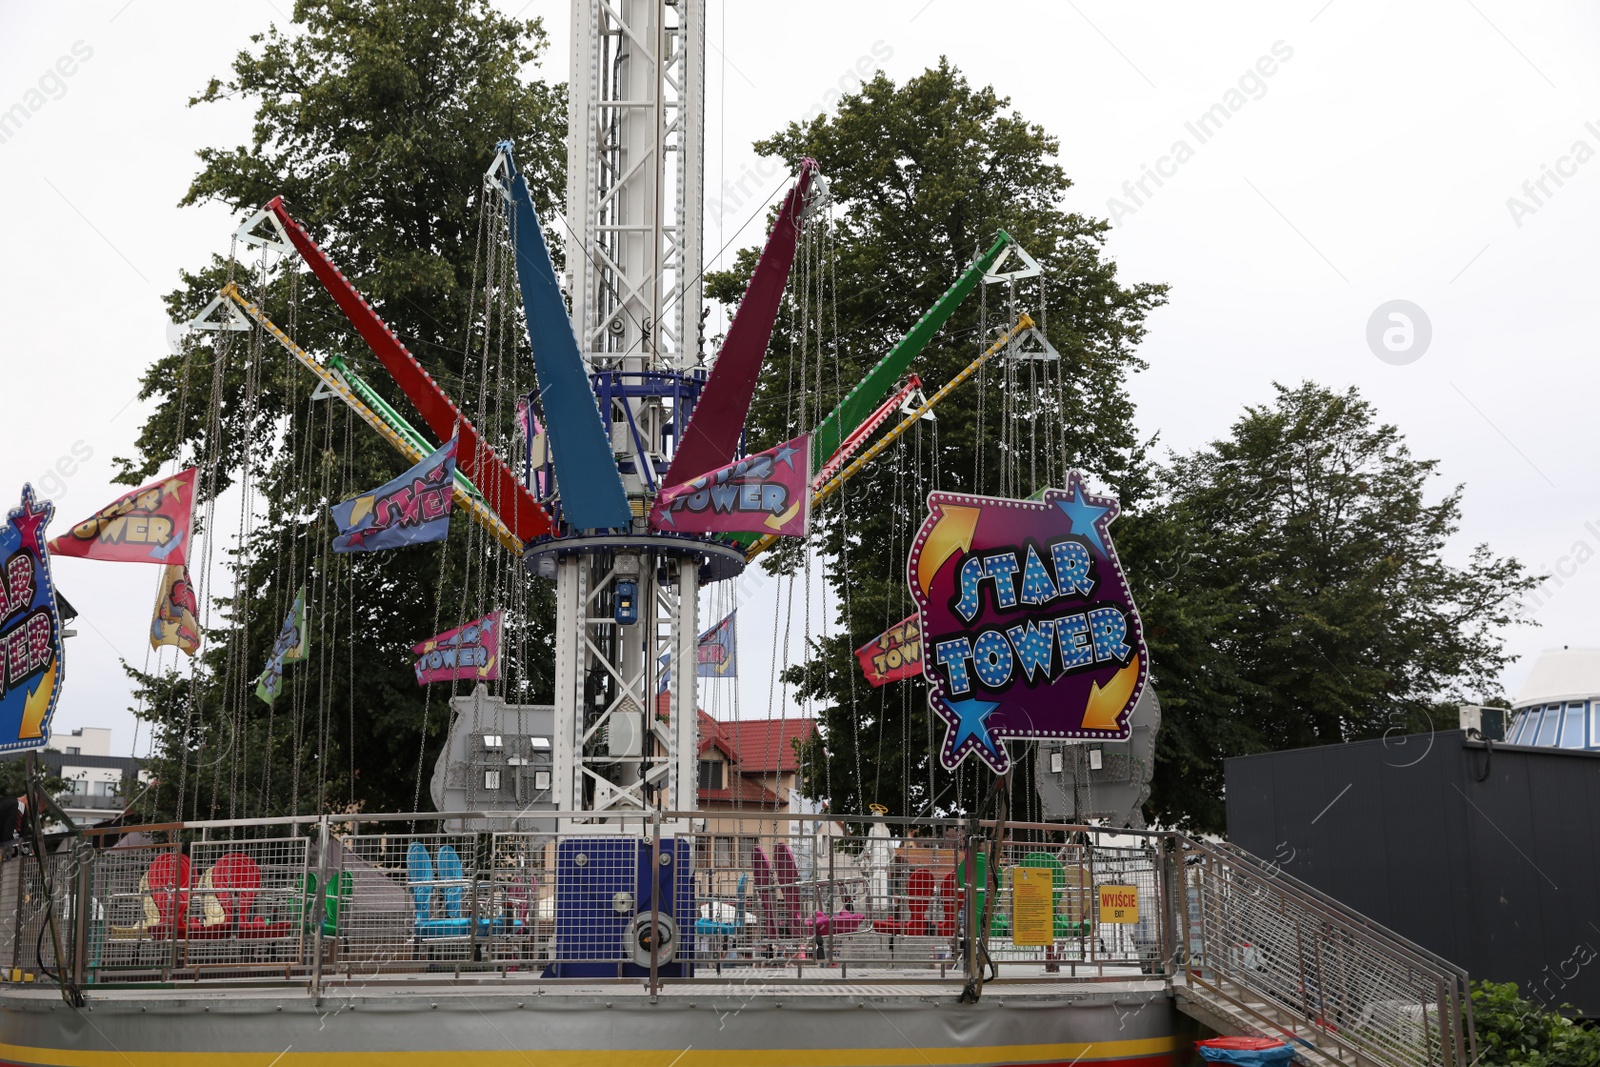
[605, 890]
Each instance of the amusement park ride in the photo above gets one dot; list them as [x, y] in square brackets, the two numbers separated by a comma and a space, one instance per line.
[635, 491]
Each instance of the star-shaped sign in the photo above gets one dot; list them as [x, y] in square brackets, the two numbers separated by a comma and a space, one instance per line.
[29, 520]
[1086, 518]
[970, 716]
[785, 454]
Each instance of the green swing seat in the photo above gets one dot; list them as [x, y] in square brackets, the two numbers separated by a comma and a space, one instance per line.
[331, 906]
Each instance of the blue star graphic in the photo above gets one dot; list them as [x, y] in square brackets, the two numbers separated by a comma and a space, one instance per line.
[1085, 518]
[970, 716]
[786, 455]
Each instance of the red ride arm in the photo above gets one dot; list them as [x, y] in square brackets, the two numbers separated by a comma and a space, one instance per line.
[504, 495]
[711, 439]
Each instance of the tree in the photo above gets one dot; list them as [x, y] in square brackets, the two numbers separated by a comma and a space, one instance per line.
[14, 778]
[1516, 1032]
[1293, 582]
[923, 175]
[375, 121]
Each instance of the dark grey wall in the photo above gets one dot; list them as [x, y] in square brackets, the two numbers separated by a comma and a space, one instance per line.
[1500, 876]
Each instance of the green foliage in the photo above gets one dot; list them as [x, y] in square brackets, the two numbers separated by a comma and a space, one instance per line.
[375, 120]
[924, 173]
[1514, 1031]
[1294, 588]
[14, 778]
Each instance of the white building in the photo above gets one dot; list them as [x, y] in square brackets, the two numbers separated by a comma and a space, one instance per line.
[99, 785]
[1559, 705]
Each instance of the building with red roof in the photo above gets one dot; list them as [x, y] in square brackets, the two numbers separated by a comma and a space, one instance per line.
[746, 768]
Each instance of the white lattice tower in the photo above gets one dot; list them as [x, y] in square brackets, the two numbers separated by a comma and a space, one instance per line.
[633, 251]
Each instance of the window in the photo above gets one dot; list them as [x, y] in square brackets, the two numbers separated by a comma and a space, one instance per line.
[747, 852]
[78, 787]
[106, 789]
[1548, 725]
[1520, 726]
[74, 750]
[1572, 729]
[724, 852]
[491, 780]
[711, 774]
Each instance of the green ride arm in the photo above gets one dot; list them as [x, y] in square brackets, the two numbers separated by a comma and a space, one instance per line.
[860, 401]
[387, 412]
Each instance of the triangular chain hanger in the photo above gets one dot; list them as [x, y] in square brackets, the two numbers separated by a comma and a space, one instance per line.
[818, 196]
[276, 239]
[1029, 266]
[208, 319]
[1031, 344]
[323, 391]
[497, 177]
[916, 399]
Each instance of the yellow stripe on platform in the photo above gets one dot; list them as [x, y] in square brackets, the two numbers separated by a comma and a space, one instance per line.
[1080, 1052]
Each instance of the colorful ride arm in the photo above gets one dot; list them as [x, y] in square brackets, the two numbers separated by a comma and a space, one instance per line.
[465, 496]
[508, 498]
[711, 439]
[829, 434]
[859, 435]
[833, 484]
[587, 480]
[369, 396]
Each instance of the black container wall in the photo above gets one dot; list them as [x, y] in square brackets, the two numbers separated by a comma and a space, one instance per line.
[1488, 855]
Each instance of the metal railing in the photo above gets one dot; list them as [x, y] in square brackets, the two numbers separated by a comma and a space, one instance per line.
[334, 900]
[1281, 952]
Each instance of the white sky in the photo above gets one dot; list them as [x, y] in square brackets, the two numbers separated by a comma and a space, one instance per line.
[1376, 165]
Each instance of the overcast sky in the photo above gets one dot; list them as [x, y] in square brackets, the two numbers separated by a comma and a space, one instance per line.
[1357, 153]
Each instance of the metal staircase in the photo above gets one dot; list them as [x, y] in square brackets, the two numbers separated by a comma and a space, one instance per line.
[1267, 954]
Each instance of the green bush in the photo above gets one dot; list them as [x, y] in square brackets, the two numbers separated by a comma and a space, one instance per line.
[1512, 1030]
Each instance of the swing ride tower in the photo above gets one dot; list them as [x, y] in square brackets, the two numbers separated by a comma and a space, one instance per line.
[342, 934]
[626, 601]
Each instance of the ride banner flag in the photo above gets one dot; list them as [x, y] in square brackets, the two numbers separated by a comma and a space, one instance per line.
[716, 654]
[411, 510]
[1028, 627]
[30, 629]
[893, 655]
[467, 653]
[292, 645]
[767, 493]
[176, 620]
[149, 525]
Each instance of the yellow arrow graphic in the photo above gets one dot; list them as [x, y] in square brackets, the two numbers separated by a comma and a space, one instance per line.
[38, 703]
[776, 522]
[951, 534]
[1106, 704]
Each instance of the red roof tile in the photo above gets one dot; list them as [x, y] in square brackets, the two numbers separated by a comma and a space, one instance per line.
[766, 746]
[744, 791]
[758, 746]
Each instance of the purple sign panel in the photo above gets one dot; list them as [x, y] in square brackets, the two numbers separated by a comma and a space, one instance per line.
[1029, 630]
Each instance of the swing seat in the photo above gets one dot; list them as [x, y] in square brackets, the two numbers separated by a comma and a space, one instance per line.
[164, 896]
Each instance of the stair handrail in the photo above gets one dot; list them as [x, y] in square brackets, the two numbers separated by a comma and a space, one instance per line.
[1277, 873]
[1454, 996]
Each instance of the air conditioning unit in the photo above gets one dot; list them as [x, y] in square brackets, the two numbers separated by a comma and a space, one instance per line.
[1484, 724]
